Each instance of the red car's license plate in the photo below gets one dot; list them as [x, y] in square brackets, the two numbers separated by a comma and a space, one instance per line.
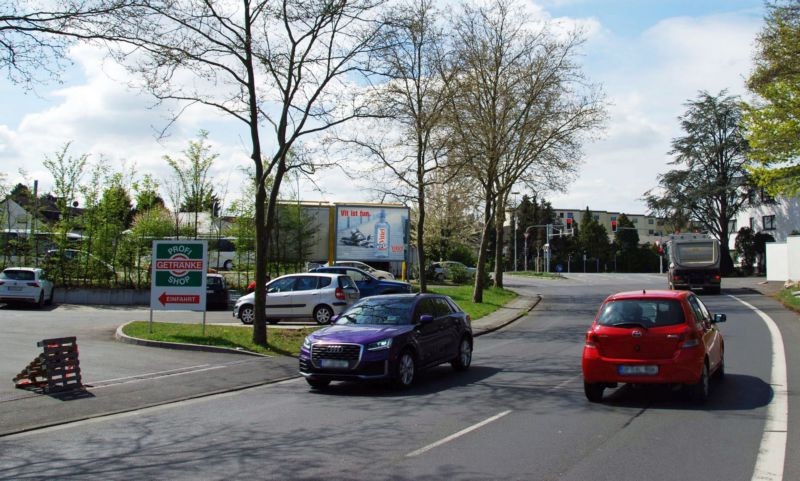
[637, 370]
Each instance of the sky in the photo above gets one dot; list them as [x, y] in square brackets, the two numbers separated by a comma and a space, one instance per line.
[650, 56]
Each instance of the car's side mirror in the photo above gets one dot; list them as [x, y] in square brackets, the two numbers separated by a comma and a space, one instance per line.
[425, 319]
[719, 318]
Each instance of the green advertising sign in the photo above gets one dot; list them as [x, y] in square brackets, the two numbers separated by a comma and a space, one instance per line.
[179, 275]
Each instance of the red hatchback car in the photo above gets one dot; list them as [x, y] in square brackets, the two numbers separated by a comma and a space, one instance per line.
[655, 337]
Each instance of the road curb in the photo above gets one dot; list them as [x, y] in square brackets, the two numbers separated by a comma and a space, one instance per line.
[522, 311]
[124, 338]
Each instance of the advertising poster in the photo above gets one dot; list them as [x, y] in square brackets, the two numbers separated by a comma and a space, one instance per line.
[370, 233]
[178, 279]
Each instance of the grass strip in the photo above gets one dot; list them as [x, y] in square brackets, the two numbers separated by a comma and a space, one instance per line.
[788, 299]
[284, 342]
[493, 299]
[287, 342]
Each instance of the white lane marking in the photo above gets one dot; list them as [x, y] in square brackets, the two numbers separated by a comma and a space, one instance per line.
[457, 435]
[772, 451]
[152, 375]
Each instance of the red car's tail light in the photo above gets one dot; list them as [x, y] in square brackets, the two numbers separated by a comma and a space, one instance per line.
[591, 339]
[676, 278]
[340, 294]
[689, 339]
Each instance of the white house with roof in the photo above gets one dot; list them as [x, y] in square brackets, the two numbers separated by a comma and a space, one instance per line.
[780, 218]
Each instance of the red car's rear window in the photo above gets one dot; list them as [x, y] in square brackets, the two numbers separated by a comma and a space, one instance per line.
[641, 312]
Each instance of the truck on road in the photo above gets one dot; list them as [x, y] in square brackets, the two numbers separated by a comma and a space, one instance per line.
[694, 262]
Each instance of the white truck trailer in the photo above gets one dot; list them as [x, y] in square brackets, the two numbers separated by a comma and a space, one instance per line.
[694, 262]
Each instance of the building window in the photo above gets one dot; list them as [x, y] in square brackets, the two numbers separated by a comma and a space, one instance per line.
[769, 222]
[752, 223]
[635, 220]
[651, 221]
[596, 217]
[651, 232]
[732, 226]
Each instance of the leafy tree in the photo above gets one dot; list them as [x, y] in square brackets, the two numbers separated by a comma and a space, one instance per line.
[67, 172]
[773, 122]
[593, 239]
[713, 183]
[745, 246]
[146, 194]
[192, 175]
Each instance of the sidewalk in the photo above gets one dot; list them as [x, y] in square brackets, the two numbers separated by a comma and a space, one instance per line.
[29, 411]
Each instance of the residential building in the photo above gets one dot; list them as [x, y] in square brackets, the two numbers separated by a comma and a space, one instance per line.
[651, 229]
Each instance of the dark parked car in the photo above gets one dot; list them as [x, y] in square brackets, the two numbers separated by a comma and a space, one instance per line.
[216, 292]
[368, 285]
[388, 337]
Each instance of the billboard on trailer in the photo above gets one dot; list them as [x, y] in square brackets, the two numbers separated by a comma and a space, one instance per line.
[371, 232]
[178, 279]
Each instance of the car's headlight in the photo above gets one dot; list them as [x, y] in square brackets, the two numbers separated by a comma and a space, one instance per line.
[306, 343]
[380, 345]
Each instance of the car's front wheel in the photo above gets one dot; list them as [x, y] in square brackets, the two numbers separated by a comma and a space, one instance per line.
[593, 391]
[464, 358]
[228, 265]
[247, 314]
[405, 370]
[323, 314]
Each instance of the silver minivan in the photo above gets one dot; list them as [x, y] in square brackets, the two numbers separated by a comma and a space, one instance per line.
[307, 295]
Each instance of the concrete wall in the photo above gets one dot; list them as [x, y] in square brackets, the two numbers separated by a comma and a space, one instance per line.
[105, 297]
[783, 260]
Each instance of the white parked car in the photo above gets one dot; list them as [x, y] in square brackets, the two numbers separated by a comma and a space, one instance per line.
[444, 269]
[309, 295]
[25, 284]
[365, 267]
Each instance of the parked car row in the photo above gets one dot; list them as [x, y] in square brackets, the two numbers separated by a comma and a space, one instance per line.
[319, 294]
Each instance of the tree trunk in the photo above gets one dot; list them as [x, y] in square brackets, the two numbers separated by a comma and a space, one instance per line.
[423, 283]
[498, 255]
[480, 273]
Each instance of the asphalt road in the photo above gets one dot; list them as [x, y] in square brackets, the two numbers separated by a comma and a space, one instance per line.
[518, 413]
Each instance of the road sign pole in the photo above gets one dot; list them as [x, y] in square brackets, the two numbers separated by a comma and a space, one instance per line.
[150, 326]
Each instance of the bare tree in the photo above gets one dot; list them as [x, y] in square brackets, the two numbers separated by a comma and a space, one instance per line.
[520, 109]
[405, 132]
[288, 64]
[35, 34]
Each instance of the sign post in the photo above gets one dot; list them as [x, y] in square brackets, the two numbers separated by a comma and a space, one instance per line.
[178, 278]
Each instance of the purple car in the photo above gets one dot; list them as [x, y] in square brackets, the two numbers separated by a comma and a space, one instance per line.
[389, 337]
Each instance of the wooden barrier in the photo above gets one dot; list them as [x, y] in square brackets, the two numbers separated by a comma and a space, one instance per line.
[56, 369]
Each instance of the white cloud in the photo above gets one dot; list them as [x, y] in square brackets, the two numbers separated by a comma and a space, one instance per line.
[647, 78]
[648, 81]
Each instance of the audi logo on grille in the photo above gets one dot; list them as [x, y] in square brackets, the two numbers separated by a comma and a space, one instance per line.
[335, 349]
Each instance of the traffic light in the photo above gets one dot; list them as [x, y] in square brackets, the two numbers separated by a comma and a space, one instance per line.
[613, 226]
